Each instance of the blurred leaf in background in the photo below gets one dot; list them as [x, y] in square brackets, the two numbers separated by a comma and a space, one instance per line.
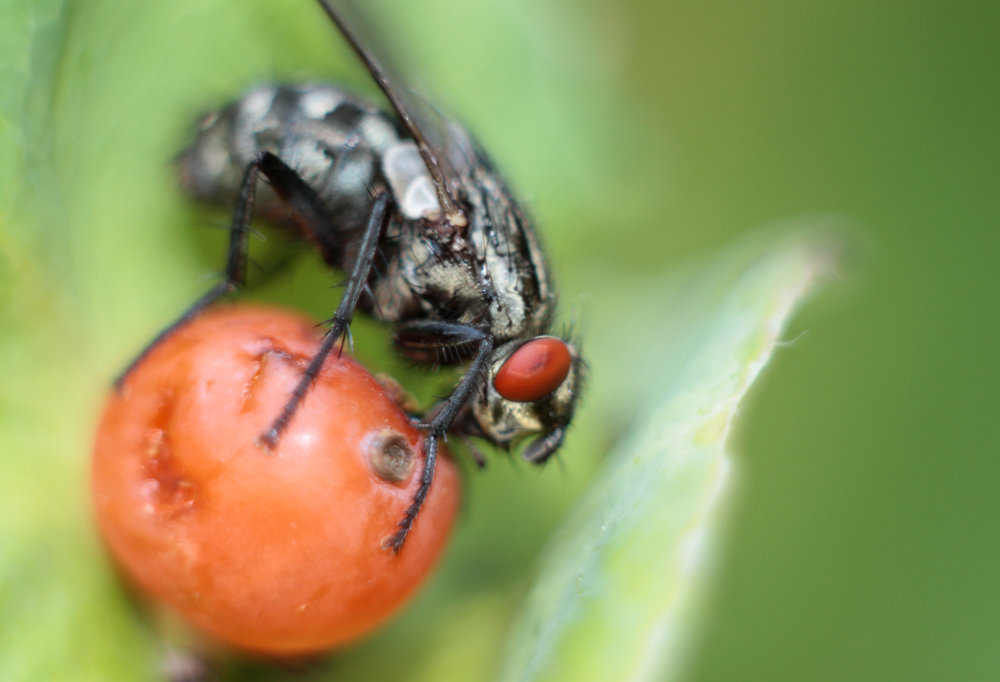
[644, 134]
[619, 589]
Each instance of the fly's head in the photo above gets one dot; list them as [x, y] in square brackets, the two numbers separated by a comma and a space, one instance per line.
[531, 390]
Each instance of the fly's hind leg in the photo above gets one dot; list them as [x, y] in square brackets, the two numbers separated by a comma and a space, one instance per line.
[314, 222]
[303, 202]
[235, 272]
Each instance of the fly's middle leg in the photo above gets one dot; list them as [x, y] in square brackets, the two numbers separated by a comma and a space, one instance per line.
[341, 319]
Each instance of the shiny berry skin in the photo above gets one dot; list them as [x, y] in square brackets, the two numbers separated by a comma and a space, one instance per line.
[534, 370]
[278, 552]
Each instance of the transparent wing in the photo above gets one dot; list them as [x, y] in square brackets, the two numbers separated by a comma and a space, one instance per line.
[445, 147]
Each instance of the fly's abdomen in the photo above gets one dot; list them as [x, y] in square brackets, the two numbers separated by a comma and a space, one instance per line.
[334, 140]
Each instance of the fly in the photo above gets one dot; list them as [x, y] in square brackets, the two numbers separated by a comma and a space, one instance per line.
[461, 277]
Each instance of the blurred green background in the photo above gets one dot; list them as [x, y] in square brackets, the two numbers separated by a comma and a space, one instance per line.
[863, 542]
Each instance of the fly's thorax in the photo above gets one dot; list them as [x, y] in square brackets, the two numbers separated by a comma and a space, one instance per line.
[418, 279]
[512, 268]
[542, 404]
[412, 186]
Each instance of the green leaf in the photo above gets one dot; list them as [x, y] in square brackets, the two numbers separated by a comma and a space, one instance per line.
[617, 592]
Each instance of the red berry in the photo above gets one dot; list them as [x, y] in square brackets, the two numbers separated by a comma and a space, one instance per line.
[277, 551]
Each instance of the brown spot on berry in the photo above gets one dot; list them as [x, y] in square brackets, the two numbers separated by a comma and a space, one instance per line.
[390, 456]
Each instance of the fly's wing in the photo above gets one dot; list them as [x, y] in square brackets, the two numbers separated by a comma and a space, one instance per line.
[444, 147]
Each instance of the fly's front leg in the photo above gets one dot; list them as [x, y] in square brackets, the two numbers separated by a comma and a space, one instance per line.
[425, 336]
[341, 319]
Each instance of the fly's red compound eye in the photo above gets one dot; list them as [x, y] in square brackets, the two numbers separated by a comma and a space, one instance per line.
[534, 370]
